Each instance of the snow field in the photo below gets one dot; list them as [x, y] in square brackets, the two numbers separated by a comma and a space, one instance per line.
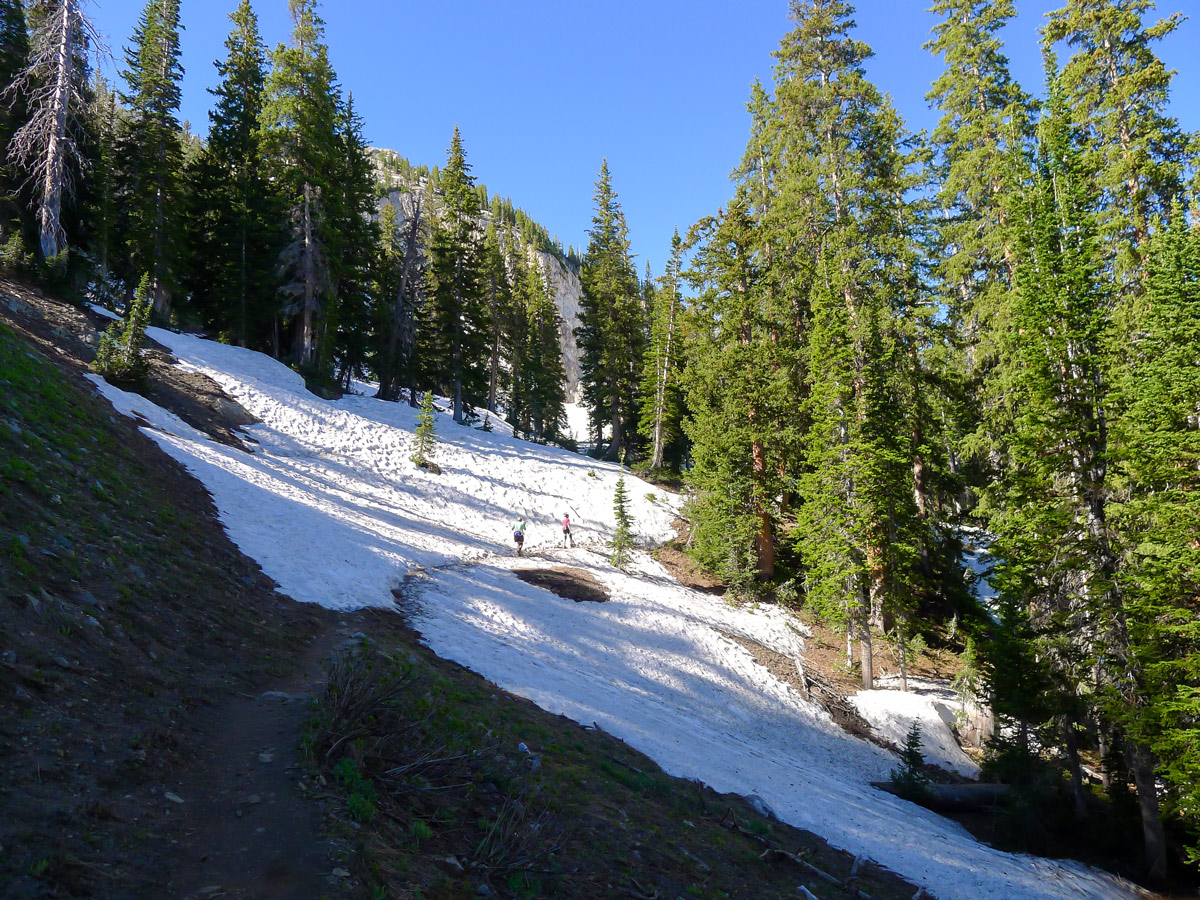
[332, 509]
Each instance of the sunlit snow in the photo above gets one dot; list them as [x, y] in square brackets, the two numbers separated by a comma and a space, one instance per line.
[331, 507]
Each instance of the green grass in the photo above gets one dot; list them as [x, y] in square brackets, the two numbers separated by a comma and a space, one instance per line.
[591, 818]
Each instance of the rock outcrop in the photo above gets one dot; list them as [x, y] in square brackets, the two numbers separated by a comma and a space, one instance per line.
[401, 188]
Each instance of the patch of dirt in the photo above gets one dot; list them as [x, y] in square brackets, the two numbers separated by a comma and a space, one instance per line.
[673, 556]
[135, 641]
[71, 335]
[573, 584]
[813, 685]
[473, 791]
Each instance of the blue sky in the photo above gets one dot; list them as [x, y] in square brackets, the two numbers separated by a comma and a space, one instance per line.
[543, 91]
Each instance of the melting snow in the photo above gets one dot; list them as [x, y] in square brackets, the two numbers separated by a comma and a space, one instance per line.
[331, 507]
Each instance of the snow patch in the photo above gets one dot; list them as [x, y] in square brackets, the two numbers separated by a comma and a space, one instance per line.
[332, 509]
[931, 705]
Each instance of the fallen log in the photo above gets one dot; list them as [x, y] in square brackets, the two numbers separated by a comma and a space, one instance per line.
[951, 797]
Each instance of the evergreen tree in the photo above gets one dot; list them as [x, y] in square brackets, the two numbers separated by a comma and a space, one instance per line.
[1115, 90]
[106, 287]
[426, 435]
[234, 228]
[456, 336]
[1156, 482]
[662, 410]
[1059, 572]
[119, 358]
[739, 387]
[858, 531]
[610, 334]
[149, 152]
[985, 117]
[399, 292]
[541, 385]
[984, 114]
[910, 778]
[354, 249]
[299, 128]
[622, 539]
[499, 300]
[14, 53]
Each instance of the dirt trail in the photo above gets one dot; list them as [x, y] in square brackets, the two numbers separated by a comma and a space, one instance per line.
[246, 828]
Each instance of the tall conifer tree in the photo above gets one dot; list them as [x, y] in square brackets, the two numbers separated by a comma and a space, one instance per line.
[662, 403]
[14, 53]
[299, 127]
[1157, 517]
[235, 230]
[1116, 91]
[150, 153]
[456, 336]
[610, 334]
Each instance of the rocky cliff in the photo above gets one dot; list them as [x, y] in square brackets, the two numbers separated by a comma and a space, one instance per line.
[400, 186]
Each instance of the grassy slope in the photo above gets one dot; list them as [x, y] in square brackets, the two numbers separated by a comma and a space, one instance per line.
[122, 605]
[436, 798]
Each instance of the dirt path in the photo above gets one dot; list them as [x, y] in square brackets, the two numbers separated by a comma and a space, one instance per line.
[248, 828]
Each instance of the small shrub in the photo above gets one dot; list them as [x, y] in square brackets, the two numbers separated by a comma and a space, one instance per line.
[909, 778]
[14, 257]
[420, 831]
[360, 797]
[120, 358]
[426, 438]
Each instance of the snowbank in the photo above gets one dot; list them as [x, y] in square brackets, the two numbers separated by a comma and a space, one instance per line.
[331, 507]
[931, 705]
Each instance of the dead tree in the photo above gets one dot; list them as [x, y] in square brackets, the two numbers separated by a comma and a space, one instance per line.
[54, 85]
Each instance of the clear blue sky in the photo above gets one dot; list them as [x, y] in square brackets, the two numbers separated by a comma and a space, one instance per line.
[542, 91]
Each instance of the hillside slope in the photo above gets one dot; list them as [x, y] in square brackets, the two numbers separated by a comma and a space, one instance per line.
[333, 510]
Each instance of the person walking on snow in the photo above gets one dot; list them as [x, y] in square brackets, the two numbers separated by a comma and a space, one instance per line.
[567, 539]
[519, 533]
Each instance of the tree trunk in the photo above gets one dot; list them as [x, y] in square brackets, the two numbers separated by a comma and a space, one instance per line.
[50, 216]
[1078, 798]
[866, 655]
[1141, 764]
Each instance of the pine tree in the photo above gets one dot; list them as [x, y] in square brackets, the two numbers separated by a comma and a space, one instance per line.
[662, 409]
[985, 118]
[234, 228]
[399, 291]
[610, 334]
[299, 127]
[353, 250]
[858, 532]
[14, 56]
[1059, 573]
[739, 388]
[457, 318]
[499, 300]
[425, 440]
[104, 217]
[543, 395]
[984, 114]
[622, 539]
[150, 156]
[1156, 460]
[119, 358]
[910, 778]
[1115, 90]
